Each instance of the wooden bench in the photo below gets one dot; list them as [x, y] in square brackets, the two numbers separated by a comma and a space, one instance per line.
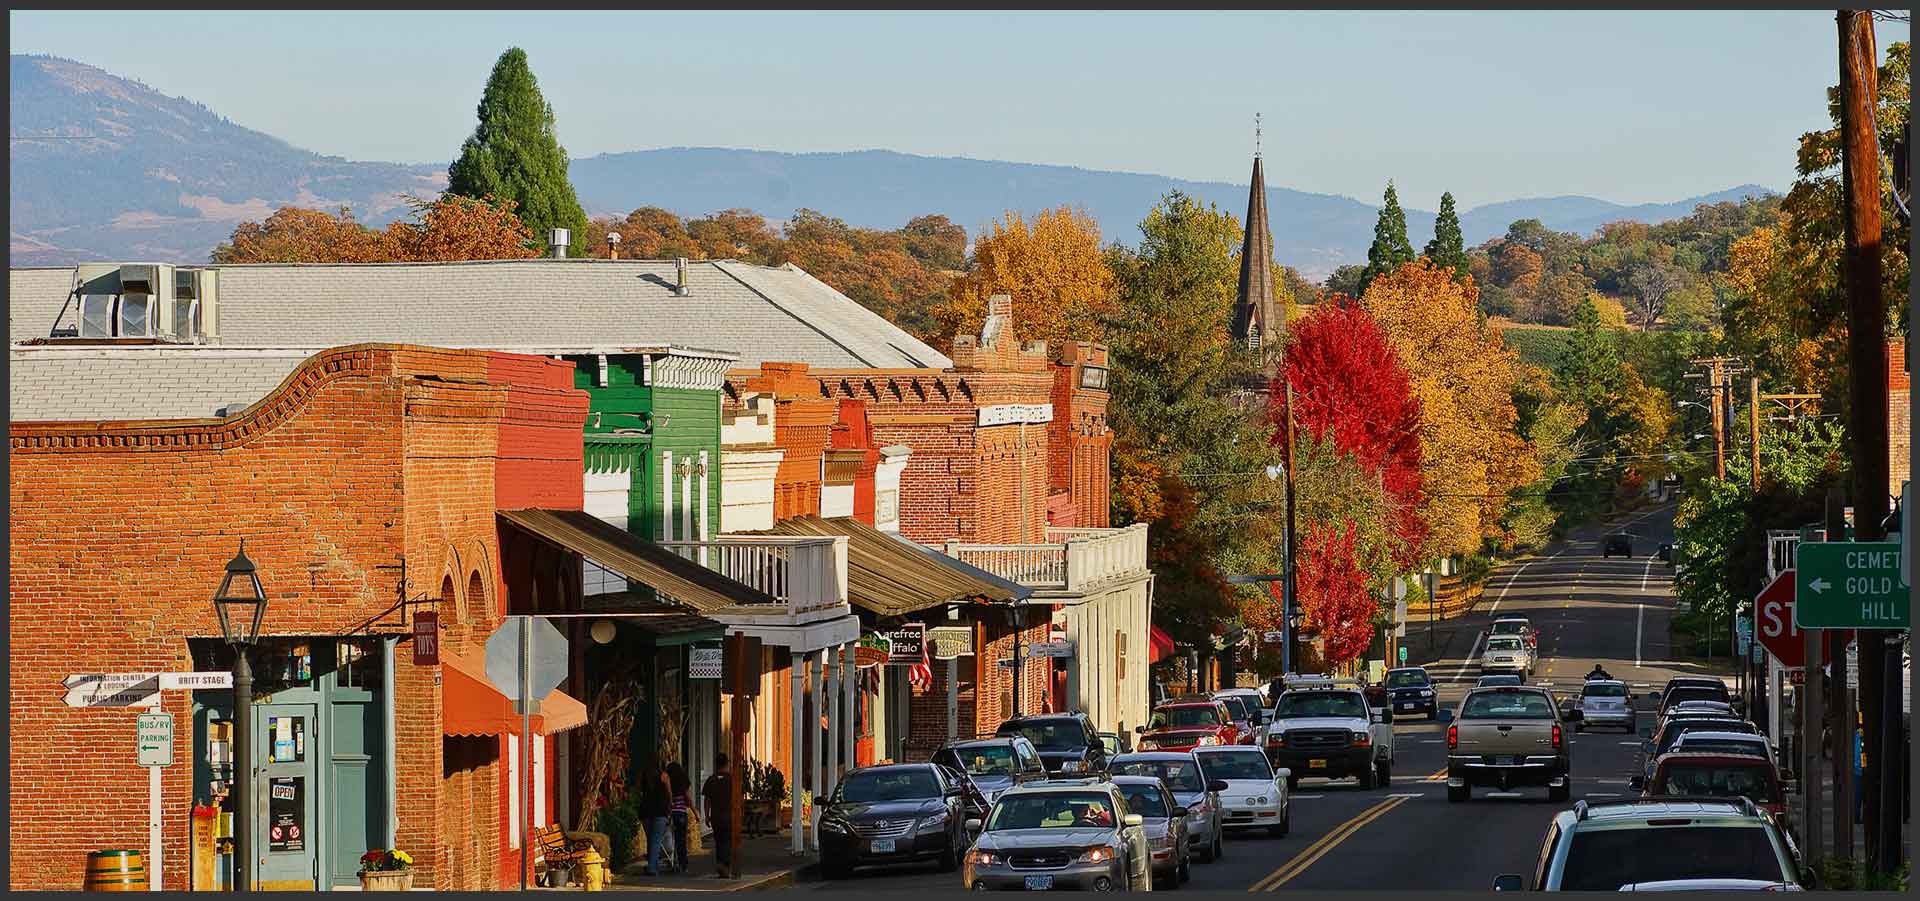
[556, 850]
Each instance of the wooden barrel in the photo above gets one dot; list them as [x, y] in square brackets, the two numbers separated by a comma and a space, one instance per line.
[116, 871]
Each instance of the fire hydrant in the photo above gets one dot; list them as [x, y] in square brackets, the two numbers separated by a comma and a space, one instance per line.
[593, 876]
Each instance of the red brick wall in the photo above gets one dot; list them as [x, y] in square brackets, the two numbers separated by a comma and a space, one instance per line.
[981, 679]
[1082, 442]
[120, 532]
[802, 425]
[1899, 416]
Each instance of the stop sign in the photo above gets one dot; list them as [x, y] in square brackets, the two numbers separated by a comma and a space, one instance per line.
[1773, 608]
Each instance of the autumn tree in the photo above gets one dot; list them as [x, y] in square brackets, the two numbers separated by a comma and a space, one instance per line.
[1464, 376]
[514, 154]
[1449, 246]
[1390, 249]
[299, 235]
[1060, 281]
[447, 229]
[936, 241]
[462, 228]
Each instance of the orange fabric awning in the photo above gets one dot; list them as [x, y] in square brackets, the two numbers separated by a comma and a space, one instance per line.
[1161, 645]
[470, 705]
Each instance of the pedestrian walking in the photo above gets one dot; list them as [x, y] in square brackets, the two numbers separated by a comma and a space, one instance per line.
[717, 796]
[680, 788]
[654, 810]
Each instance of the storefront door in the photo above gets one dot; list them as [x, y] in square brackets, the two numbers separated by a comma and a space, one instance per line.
[285, 826]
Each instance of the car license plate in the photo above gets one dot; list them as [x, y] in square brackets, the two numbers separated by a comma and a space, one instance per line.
[1405, 705]
[1505, 760]
[883, 846]
[1039, 883]
[1318, 763]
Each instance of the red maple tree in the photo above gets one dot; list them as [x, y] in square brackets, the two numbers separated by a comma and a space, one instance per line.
[1333, 591]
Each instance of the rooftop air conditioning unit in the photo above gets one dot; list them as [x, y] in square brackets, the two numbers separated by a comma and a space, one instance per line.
[144, 300]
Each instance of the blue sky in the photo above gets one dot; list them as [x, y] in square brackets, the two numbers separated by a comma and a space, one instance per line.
[1628, 106]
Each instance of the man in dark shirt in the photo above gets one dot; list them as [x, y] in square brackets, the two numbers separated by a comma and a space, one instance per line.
[716, 794]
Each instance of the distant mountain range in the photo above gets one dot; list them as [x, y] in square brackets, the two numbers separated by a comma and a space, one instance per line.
[104, 168]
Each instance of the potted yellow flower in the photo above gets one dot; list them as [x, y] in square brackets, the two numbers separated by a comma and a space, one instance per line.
[386, 870]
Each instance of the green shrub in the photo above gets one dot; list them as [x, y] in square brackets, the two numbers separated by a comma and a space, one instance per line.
[621, 824]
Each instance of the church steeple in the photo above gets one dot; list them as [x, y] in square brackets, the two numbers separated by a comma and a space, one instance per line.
[1253, 309]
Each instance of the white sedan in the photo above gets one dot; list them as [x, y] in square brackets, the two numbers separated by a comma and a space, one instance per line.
[1256, 794]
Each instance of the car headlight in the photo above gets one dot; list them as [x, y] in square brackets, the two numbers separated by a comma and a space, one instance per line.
[1163, 842]
[832, 826]
[934, 823]
[1426, 692]
[1100, 854]
[981, 858]
[1208, 740]
[1070, 766]
[1277, 738]
[1262, 799]
[1148, 744]
[1362, 740]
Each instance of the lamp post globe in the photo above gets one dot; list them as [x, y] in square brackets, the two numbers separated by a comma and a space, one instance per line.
[241, 605]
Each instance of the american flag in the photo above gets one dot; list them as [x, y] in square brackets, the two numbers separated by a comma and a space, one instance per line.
[920, 675]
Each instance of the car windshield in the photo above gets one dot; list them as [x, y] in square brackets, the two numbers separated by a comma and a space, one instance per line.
[1248, 764]
[1674, 730]
[1185, 715]
[1237, 706]
[1051, 810]
[1406, 678]
[1510, 627]
[1695, 693]
[987, 760]
[1179, 775]
[1503, 643]
[1320, 703]
[1497, 680]
[1145, 800]
[1053, 735]
[1719, 780]
[1721, 746]
[1507, 705]
[888, 785]
[1603, 690]
[1602, 860]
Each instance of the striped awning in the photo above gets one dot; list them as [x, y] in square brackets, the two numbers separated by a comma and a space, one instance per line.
[619, 551]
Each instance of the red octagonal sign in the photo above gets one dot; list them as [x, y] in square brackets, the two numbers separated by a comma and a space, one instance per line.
[1773, 607]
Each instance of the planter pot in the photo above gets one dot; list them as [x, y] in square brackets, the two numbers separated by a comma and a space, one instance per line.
[387, 881]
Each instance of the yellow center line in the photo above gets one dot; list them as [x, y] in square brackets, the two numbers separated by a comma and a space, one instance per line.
[1300, 862]
[1440, 776]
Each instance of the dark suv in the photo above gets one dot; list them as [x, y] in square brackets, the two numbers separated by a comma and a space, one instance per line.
[1411, 690]
[1067, 742]
[1621, 544]
[893, 814]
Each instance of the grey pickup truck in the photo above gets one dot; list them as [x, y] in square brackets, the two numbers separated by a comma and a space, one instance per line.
[1510, 736]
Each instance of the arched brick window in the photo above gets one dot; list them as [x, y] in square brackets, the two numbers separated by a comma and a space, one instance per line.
[477, 592]
[450, 601]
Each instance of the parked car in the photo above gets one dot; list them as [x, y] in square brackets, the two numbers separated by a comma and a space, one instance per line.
[1328, 730]
[1410, 689]
[1116, 744]
[1184, 725]
[1181, 772]
[1515, 624]
[1606, 702]
[1509, 737]
[1060, 835]
[1668, 733]
[1646, 842]
[894, 813]
[1256, 795]
[1492, 680]
[1619, 543]
[990, 766]
[1716, 775]
[1165, 821]
[1256, 708]
[1506, 654]
[1709, 742]
[1067, 742]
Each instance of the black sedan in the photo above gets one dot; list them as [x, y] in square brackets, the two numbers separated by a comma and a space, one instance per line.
[899, 813]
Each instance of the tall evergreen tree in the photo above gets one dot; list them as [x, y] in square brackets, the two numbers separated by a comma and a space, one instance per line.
[514, 154]
[1448, 247]
[1390, 248]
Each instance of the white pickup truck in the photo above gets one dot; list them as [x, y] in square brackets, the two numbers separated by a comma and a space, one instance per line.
[1326, 729]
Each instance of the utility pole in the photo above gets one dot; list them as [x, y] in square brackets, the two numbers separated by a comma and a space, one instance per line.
[1840, 702]
[1753, 428]
[1867, 393]
[1720, 403]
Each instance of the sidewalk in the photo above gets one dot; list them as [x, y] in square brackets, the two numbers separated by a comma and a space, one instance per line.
[765, 862]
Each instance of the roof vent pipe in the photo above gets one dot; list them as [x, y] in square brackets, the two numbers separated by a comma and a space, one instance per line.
[557, 241]
[680, 277]
[613, 245]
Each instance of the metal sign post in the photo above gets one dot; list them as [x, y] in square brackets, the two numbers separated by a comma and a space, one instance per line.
[526, 749]
[154, 743]
[526, 659]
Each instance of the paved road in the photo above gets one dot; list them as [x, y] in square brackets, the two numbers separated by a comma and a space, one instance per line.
[1408, 836]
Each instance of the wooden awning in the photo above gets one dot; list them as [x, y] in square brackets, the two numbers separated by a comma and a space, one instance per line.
[619, 551]
[891, 576]
[471, 705]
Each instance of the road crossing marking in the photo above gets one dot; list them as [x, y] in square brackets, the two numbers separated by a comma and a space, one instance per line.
[1306, 858]
[1408, 795]
[1630, 743]
[1438, 776]
[1595, 795]
[1305, 797]
[1504, 795]
[1639, 623]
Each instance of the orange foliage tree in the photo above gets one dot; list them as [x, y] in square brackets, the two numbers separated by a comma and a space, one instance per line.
[1061, 284]
[447, 229]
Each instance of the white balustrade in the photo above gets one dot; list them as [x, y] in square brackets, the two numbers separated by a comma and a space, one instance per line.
[1073, 559]
[800, 574]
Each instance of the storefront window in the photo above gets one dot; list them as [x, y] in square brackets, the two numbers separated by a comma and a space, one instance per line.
[358, 662]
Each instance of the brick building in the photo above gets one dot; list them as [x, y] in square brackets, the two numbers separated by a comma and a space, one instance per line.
[1899, 416]
[365, 483]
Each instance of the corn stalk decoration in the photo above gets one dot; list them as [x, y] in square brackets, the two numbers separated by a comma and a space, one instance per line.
[610, 723]
[673, 728]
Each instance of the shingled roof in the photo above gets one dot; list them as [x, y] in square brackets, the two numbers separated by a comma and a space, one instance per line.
[760, 313]
[124, 383]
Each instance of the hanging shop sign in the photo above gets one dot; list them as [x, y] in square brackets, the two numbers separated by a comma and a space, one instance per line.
[426, 638]
[950, 642]
[705, 663]
[907, 642]
[1050, 649]
[873, 650]
[1008, 414]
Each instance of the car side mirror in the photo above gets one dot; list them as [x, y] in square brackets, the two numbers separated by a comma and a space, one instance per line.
[974, 825]
[1133, 819]
[1139, 730]
[1283, 774]
[1217, 786]
[1182, 812]
[1507, 882]
[1637, 783]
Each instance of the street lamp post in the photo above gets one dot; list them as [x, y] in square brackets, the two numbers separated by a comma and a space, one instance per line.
[241, 609]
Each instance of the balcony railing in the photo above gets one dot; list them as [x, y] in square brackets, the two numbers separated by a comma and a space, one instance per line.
[802, 575]
[1074, 559]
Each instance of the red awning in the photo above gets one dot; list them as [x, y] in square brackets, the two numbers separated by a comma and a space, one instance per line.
[472, 706]
[1161, 646]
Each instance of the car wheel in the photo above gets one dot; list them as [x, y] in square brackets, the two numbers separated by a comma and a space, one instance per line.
[835, 871]
[1386, 772]
[1286, 822]
[1367, 782]
[1457, 794]
[1560, 793]
[1579, 727]
[1186, 870]
[1293, 782]
[950, 861]
[1219, 847]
